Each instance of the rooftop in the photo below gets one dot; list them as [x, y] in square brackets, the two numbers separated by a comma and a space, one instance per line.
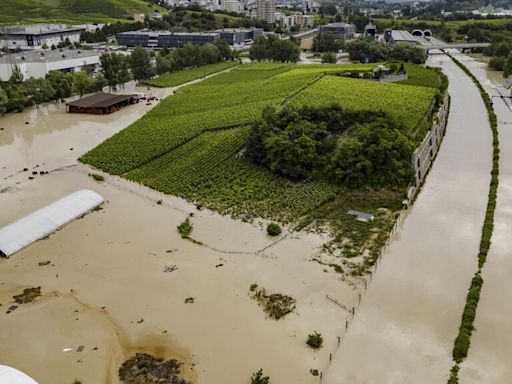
[401, 35]
[159, 33]
[99, 100]
[46, 56]
[337, 25]
[41, 29]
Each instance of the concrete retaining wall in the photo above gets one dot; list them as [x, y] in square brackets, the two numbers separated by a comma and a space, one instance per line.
[424, 155]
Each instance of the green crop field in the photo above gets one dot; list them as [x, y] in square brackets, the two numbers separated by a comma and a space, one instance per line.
[191, 145]
[71, 11]
[176, 78]
[407, 104]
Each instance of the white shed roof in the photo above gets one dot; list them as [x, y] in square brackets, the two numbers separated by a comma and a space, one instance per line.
[9, 375]
[47, 220]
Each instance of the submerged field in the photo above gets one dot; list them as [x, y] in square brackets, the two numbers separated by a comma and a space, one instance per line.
[191, 145]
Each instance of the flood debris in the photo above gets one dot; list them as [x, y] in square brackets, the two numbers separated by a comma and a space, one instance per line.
[189, 300]
[170, 268]
[43, 263]
[80, 348]
[28, 295]
[148, 369]
[275, 305]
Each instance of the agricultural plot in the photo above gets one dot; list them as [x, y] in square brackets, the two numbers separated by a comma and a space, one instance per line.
[406, 104]
[191, 145]
[176, 78]
[208, 169]
[420, 76]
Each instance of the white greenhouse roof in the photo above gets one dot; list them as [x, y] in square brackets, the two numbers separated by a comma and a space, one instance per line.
[45, 221]
[10, 375]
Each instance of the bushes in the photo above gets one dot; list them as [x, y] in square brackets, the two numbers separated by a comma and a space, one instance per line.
[258, 378]
[329, 58]
[315, 340]
[185, 229]
[97, 177]
[273, 229]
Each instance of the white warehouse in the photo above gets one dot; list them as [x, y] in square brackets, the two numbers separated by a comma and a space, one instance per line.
[33, 37]
[38, 64]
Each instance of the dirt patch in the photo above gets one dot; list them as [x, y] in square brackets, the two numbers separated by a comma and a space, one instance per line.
[28, 295]
[144, 368]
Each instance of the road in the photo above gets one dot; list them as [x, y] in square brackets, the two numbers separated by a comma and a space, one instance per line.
[491, 345]
[403, 331]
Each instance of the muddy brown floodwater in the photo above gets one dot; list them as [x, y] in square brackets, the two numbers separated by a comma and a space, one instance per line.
[490, 353]
[105, 287]
[404, 330]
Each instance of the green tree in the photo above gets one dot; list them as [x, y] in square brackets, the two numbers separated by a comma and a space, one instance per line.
[115, 69]
[327, 42]
[17, 97]
[82, 82]
[16, 76]
[61, 82]
[40, 90]
[258, 378]
[224, 49]
[3, 101]
[141, 64]
[329, 58]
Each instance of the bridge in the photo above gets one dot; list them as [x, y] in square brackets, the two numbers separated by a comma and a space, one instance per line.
[460, 46]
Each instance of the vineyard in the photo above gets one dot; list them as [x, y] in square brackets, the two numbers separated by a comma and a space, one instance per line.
[191, 145]
[181, 77]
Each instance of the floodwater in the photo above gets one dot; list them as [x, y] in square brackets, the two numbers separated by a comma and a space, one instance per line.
[49, 137]
[491, 344]
[105, 288]
[403, 331]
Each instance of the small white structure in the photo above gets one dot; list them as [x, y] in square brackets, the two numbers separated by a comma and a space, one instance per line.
[45, 221]
[9, 375]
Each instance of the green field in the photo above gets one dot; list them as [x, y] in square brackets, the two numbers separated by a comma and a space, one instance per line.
[176, 78]
[71, 11]
[191, 145]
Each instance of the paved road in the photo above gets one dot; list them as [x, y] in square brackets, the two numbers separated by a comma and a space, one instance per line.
[404, 330]
[490, 355]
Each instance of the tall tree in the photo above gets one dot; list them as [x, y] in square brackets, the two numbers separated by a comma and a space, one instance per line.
[141, 64]
[3, 101]
[82, 82]
[17, 97]
[61, 82]
[115, 68]
[40, 90]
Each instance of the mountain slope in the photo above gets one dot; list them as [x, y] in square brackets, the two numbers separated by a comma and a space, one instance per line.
[70, 11]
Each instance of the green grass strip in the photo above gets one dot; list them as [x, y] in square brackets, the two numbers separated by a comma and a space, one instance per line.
[173, 79]
[463, 339]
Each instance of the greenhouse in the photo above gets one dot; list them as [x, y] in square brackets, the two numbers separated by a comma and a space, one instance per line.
[45, 221]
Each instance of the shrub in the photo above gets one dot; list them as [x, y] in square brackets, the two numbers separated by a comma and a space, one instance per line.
[315, 340]
[97, 177]
[273, 229]
[258, 378]
[253, 287]
[329, 58]
[185, 229]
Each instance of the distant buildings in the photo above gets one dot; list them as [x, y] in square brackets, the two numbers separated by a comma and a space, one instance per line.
[294, 20]
[34, 37]
[266, 10]
[162, 39]
[139, 17]
[231, 6]
[339, 30]
[38, 64]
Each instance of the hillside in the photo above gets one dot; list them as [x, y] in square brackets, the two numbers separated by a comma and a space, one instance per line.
[71, 11]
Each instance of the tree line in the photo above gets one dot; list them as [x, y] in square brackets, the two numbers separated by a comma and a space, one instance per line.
[302, 143]
[272, 48]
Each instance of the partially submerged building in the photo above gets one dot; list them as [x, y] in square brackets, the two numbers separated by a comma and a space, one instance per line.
[45, 221]
[101, 103]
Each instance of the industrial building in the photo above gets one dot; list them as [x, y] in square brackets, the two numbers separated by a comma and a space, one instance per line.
[39, 64]
[165, 39]
[34, 37]
[339, 30]
[239, 36]
[162, 39]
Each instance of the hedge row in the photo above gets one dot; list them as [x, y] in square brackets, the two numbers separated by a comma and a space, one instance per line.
[463, 339]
